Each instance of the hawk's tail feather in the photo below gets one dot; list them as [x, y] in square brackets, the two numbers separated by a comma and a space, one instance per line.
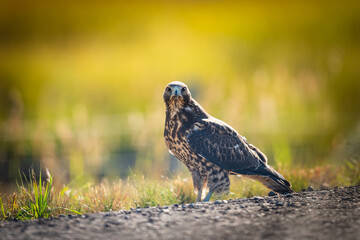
[273, 180]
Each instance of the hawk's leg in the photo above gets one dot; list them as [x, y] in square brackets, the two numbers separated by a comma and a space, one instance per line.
[199, 194]
[208, 196]
[199, 184]
[218, 182]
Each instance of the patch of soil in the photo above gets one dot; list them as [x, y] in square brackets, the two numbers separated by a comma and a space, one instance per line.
[323, 214]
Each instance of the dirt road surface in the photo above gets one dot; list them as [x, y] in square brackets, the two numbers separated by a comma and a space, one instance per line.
[323, 214]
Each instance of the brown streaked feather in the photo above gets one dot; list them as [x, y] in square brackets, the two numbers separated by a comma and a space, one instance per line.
[220, 144]
[277, 185]
[258, 152]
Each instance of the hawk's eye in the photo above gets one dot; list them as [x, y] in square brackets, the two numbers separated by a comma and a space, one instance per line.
[168, 89]
[183, 89]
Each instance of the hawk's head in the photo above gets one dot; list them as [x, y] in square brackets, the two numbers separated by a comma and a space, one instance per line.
[176, 95]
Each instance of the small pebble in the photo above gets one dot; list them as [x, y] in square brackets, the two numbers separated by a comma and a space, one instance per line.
[310, 189]
[218, 202]
[266, 209]
[271, 193]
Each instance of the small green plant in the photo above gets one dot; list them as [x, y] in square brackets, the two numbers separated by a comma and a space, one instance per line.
[37, 195]
[34, 199]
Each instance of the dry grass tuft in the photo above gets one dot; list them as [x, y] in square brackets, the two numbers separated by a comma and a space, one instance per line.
[138, 191]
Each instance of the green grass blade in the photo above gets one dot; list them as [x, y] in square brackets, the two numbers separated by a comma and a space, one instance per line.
[2, 208]
[67, 209]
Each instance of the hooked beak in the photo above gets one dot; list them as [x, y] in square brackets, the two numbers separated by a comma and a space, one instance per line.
[176, 92]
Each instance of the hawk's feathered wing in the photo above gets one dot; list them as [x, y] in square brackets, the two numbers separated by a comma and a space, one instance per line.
[220, 144]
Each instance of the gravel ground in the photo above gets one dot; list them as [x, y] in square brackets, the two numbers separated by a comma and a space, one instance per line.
[324, 214]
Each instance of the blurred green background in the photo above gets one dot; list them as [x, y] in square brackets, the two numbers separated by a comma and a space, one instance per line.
[81, 81]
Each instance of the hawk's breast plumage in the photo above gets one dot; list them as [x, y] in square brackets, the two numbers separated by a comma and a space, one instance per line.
[210, 148]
